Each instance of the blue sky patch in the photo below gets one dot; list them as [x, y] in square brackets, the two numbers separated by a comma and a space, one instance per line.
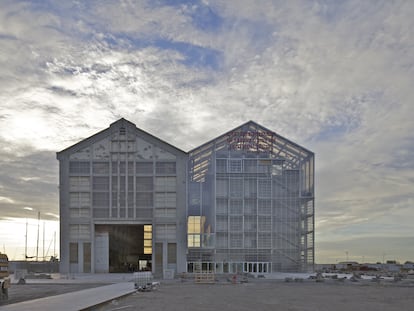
[193, 55]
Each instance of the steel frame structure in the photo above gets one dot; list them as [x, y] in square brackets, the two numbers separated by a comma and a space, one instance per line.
[252, 193]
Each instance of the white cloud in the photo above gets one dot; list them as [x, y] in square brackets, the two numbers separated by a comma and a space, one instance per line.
[5, 199]
[334, 77]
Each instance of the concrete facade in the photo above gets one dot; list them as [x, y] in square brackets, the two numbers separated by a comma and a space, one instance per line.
[122, 177]
[243, 202]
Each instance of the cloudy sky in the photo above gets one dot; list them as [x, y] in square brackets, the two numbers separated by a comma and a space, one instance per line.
[334, 76]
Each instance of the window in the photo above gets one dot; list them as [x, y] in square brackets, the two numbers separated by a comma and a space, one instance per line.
[100, 213]
[165, 199]
[265, 207]
[166, 232]
[264, 166]
[73, 252]
[79, 199]
[101, 183]
[236, 188]
[165, 184]
[79, 231]
[144, 184]
[236, 206]
[221, 166]
[148, 239]
[100, 168]
[236, 223]
[265, 224]
[168, 168]
[100, 199]
[165, 212]
[221, 206]
[77, 183]
[195, 225]
[250, 166]
[277, 169]
[250, 206]
[236, 240]
[144, 168]
[122, 168]
[265, 240]
[222, 239]
[87, 257]
[130, 168]
[250, 240]
[222, 187]
[235, 166]
[221, 223]
[145, 199]
[250, 223]
[250, 188]
[172, 253]
[264, 188]
[79, 212]
[79, 167]
[194, 240]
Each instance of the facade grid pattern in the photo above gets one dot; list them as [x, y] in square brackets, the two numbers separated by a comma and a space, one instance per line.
[257, 204]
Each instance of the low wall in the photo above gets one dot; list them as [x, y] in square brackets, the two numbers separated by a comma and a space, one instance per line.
[34, 266]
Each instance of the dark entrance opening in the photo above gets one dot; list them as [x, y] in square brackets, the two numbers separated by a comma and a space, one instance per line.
[130, 247]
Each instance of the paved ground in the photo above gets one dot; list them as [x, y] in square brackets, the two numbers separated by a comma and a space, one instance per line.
[19, 293]
[256, 295]
[59, 284]
[270, 295]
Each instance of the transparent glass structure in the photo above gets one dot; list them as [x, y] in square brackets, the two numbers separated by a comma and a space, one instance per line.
[250, 204]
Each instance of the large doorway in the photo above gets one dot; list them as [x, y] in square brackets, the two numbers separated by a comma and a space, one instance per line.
[128, 248]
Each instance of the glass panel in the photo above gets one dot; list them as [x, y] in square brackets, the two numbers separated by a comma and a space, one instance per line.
[86, 257]
[144, 184]
[100, 199]
[221, 165]
[222, 188]
[172, 253]
[250, 166]
[144, 199]
[73, 252]
[147, 239]
[235, 166]
[236, 188]
[165, 184]
[101, 183]
[250, 188]
[264, 188]
[168, 168]
[165, 199]
[77, 183]
[78, 167]
[100, 168]
[144, 168]
[236, 206]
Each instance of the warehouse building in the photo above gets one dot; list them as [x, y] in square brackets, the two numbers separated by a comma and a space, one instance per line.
[243, 202]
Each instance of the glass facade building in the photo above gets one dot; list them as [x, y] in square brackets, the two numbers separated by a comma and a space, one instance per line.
[250, 203]
[243, 202]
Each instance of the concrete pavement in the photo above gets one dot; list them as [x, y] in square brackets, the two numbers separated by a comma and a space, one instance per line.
[78, 300]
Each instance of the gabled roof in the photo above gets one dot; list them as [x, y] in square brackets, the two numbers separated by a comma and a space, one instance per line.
[253, 126]
[115, 126]
[249, 138]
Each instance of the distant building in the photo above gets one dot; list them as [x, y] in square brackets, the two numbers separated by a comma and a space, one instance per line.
[242, 202]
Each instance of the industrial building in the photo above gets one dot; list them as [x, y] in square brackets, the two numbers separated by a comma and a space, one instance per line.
[242, 202]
